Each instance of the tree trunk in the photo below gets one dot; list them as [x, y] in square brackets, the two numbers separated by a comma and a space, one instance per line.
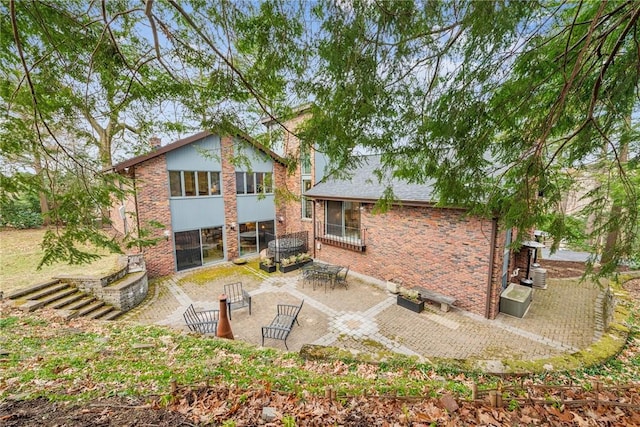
[42, 196]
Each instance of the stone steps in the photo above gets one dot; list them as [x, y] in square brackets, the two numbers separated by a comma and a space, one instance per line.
[61, 296]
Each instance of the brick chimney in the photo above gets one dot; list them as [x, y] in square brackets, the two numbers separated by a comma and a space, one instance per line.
[154, 141]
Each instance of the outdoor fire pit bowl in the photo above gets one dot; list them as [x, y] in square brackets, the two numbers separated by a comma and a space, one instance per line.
[285, 247]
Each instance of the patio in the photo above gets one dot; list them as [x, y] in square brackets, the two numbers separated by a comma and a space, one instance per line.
[365, 317]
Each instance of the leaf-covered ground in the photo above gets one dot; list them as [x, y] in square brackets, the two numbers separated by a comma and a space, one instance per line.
[87, 373]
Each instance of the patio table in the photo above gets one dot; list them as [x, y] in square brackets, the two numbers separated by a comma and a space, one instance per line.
[320, 273]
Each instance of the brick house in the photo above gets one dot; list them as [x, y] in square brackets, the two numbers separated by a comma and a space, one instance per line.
[213, 195]
[442, 249]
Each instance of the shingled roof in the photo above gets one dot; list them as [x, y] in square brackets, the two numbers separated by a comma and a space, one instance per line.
[364, 185]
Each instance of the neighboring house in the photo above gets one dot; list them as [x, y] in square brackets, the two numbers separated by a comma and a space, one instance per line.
[214, 195]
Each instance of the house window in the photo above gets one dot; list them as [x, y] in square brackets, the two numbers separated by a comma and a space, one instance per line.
[187, 245]
[305, 162]
[175, 183]
[343, 219]
[212, 245]
[250, 179]
[203, 184]
[189, 183]
[254, 182]
[214, 184]
[240, 188]
[194, 183]
[307, 204]
[248, 238]
[264, 182]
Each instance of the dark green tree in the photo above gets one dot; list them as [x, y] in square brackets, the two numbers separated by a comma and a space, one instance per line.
[493, 102]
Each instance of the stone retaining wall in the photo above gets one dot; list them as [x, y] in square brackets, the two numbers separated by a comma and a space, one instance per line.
[124, 289]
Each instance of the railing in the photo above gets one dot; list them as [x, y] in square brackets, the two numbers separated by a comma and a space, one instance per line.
[351, 238]
[286, 245]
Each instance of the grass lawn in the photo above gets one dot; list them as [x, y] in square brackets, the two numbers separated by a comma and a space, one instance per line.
[20, 254]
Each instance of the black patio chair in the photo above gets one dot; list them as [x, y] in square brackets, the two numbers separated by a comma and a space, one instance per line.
[341, 279]
[203, 321]
[236, 297]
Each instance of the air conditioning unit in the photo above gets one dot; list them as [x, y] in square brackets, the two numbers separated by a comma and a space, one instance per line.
[540, 278]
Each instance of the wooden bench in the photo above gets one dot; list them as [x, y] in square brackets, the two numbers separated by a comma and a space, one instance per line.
[446, 302]
[281, 325]
[203, 321]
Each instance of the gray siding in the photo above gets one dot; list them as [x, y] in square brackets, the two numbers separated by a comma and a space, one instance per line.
[252, 208]
[196, 212]
[257, 160]
[190, 213]
[203, 155]
[320, 163]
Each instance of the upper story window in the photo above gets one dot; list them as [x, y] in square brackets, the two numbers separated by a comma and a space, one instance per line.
[254, 183]
[194, 183]
[305, 162]
[307, 204]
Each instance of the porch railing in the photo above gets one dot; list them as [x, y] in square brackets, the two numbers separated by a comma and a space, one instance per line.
[351, 238]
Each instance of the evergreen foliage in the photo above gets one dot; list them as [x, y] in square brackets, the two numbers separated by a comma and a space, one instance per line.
[500, 105]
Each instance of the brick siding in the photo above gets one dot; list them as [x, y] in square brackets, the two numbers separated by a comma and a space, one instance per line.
[152, 187]
[229, 197]
[439, 249]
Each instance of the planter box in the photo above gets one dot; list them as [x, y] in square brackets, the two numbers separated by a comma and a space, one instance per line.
[410, 304]
[268, 268]
[291, 267]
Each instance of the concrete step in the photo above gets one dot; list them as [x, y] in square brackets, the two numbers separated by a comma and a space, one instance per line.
[90, 308]
[68, 300]
[112, 315]
[102, 311]
[50, 290]
[31, 289]
[52, 298]
[86, 300]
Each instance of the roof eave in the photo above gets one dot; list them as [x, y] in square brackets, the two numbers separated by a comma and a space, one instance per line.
[120, 167]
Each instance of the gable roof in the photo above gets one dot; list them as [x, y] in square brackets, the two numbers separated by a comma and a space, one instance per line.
[364, 185]
[188, 140]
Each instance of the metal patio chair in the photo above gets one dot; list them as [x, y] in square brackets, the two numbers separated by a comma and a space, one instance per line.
[236, 297]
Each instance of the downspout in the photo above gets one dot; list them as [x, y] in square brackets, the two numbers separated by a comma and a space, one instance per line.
[492, 251]
[135, 198]
[313, 241]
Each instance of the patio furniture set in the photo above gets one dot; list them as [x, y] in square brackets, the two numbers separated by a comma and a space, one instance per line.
[206, 321]
[327, 275]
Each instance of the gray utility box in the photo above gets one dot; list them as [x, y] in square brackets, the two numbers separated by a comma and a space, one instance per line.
[515, 300]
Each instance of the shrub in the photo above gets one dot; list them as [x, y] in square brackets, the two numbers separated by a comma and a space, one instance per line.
[21, 212]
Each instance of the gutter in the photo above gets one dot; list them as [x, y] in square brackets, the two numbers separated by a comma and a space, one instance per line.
[492, 250]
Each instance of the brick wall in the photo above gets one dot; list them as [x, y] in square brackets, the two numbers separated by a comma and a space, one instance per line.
[439, 249]
[229, 196]
[152, 187]
[291, 207]
[496, 274]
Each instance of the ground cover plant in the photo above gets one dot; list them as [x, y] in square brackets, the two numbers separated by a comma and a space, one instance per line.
[83, 372]
[115, 373]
